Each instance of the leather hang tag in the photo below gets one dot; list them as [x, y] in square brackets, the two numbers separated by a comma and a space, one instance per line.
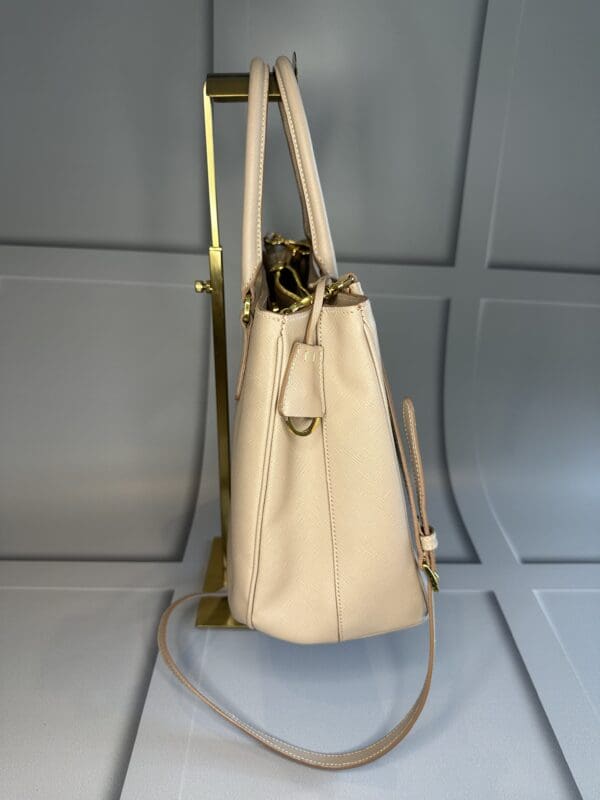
[302, 394]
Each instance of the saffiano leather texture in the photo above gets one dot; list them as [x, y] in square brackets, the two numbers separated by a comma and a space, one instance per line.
[328, 531]
[319, 540]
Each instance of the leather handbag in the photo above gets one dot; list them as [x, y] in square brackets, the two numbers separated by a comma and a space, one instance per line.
[322, 500]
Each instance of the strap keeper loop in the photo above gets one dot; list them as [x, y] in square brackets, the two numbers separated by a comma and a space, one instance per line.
[429, 541]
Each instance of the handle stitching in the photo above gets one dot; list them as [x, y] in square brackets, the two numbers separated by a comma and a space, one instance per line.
[284, 98]
[263, 131]
[338, 593]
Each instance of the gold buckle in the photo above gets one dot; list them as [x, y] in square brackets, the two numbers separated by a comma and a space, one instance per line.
[433, 576]
[298, 305]
[340, 285]
[246, 309]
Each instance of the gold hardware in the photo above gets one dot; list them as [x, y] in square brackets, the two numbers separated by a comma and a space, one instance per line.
[232, 87]
[214, 612]
[215, 263]
[203, 286]
[432, 575]
[247, 309]
[304, 431]
[215, 576]
[340, 285]
[296, 246]
[298, 305]
[332, 290]
[287, 265]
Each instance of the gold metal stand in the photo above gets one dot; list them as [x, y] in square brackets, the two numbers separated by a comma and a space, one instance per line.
[213, 612]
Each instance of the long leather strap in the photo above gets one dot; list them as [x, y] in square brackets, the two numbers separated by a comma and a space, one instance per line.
[303, 161]
[382, 745]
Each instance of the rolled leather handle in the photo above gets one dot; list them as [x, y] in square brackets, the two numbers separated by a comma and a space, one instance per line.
[303, 157]
[256, 130]
[303, 160]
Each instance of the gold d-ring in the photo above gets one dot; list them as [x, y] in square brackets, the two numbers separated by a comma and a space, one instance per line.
[305, 431]
[432, 575]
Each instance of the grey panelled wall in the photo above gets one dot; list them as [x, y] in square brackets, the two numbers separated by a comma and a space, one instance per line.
[103, 371]
[459, 152]
[101, 428]
[101, 122]
[548, 190]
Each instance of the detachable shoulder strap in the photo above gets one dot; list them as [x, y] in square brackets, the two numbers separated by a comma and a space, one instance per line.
[303, 161]
[425, 549]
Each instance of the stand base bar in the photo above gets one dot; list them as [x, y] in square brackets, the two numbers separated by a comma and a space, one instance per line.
[214, 612]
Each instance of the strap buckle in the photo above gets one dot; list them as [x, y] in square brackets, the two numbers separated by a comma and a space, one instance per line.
[247, 309]
[433, 576]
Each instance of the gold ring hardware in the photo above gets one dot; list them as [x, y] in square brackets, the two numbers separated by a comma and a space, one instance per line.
[203, 287]
[334, 288]
[299, 304]
[246, 311]
[305, 431]
[295, 246]
[340, 285]
[432, 575]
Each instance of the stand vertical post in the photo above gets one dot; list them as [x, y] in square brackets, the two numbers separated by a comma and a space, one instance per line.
[214, 612]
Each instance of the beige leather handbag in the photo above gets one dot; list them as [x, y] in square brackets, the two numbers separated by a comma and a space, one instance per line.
[322, 501]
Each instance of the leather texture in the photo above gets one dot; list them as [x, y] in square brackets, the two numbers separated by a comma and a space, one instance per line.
[305, 170]
[303, 158]
[302, 392]
[256, 131]
[319, 540]
[320, 546]
[314, 758]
